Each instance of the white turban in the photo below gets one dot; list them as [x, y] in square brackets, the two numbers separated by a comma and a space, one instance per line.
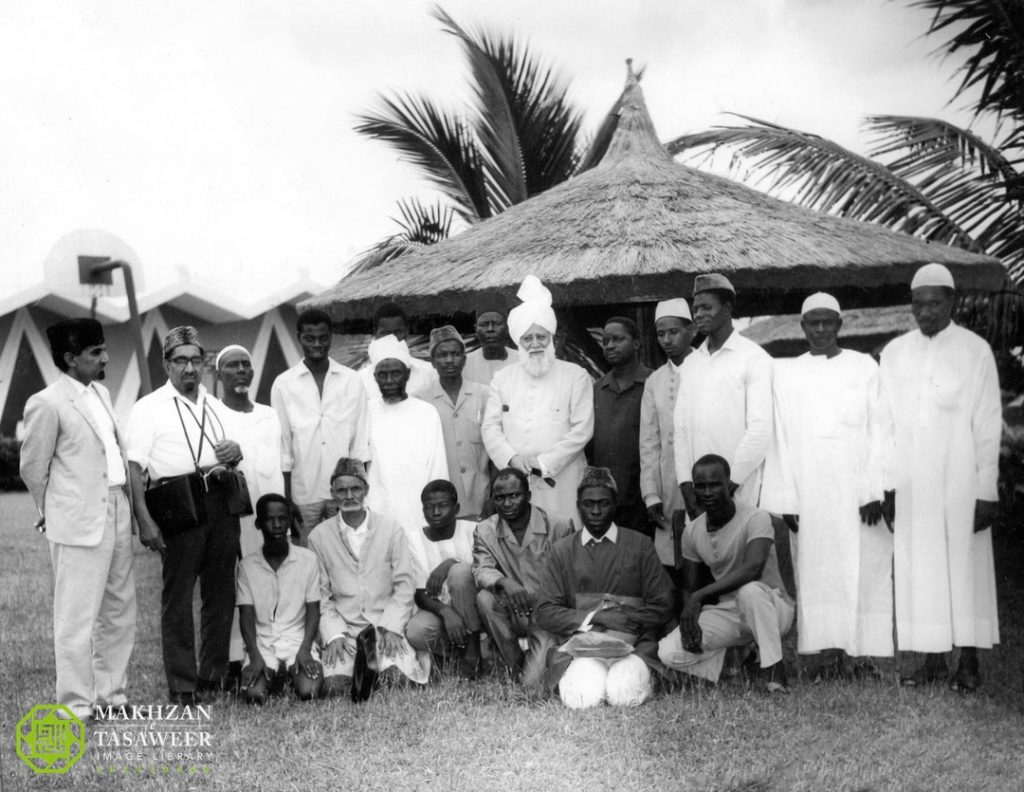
[231, 348]
[932, 275]
[389, 347]
[678, 308]
[535, 309]
[820, 300]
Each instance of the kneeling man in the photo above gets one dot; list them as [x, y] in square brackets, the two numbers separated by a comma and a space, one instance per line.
[747, 600]
[368, 577]
[603, 580]
[278, 595]
[447, 622]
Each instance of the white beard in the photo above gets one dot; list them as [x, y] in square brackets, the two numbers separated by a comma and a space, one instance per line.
[537, 364]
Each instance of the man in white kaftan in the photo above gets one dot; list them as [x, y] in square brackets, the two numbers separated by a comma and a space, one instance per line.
[540, 414]
[406, 440]
[258, 430]
[940, 384]
[724, 405]
[659, 484]
[825, 473]
[390, 319]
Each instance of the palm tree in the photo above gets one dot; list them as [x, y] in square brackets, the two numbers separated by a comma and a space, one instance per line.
[519, 136]
[923, 176]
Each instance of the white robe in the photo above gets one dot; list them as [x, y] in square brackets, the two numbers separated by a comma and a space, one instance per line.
[825, 463]
[943, 395]
[407, 452]
[658, 481]
[550, 417]
[724, 407]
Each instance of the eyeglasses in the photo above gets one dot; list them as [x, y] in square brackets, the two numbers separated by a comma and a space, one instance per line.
[182, 362]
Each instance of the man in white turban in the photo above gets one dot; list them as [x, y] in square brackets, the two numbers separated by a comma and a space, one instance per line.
[406, 440]
[540, 413]
[940, 385]
[824, 474]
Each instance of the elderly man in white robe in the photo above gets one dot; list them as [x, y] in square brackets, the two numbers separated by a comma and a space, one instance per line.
[659, 485]
[540, 414]
[940, 385]
[258, 429]
[824, 474]
[724, 405]
[406, 440]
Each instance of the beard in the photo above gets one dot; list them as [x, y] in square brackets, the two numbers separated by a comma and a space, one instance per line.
[537, 364]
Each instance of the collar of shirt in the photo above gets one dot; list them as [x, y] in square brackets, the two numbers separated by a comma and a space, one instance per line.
[611, 535]
[79, 387]
[360, 529]
[333, 367]
[939, 336]
[733, 342]
[639, 376]
[287, 560]
[167, 392]
[535, 525]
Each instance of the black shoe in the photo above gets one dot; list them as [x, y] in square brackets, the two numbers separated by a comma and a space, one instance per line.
[183, 698]
[777, 682]
[967, 679]
[931, 671]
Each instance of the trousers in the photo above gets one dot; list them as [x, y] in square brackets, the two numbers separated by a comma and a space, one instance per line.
[755, 613]
[425, 630]
[207, 553]
[94, 613]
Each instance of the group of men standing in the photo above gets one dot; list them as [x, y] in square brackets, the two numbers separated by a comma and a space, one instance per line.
[455, 491]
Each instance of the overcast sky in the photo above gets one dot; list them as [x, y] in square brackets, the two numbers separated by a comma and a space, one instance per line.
[216, 135]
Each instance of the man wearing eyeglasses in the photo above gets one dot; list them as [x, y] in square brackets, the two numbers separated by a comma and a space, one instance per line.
[178, 431]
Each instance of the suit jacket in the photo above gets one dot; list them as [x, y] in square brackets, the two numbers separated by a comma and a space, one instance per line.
[64, 464]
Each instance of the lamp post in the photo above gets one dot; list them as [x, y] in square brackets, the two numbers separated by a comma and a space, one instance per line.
[97, 271]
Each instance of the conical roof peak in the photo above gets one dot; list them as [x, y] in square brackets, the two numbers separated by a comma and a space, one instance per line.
[635, 137]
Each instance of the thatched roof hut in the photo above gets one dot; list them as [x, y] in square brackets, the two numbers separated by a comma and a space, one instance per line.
[864, 329]
[638, 227]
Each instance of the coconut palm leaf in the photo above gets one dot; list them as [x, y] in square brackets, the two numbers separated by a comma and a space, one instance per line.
[421, 225]
[991, 33]
[971, 181]
[441, 145]
[523, 102]
[820, 174]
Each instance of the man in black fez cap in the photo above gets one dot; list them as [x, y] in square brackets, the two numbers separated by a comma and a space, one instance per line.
[492, 333]
[74, 465]
[608, 581]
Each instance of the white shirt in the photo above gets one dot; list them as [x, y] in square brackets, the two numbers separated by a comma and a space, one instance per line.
[279, 598]
[356, 534]
[724, 407]
[611, 535]
[317, 431]
[431, 554]
[156, 440]
[258, 434]
[115, 464]
[480, 369]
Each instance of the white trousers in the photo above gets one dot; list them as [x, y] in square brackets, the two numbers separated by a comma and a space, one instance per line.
[621, 681]
[94, 614]
[756, 613]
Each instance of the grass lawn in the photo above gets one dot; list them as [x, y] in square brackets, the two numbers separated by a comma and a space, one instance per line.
[480, 736]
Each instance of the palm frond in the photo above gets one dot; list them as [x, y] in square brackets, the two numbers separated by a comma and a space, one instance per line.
[516, 89]
[439, 144]
[966, 178]
[819, 174]
[421, 225]
[493, 124]
[991, 33]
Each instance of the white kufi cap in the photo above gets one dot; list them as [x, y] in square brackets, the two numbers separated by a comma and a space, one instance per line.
[535, 309]
[820, 300]
[932, 275]
[228, 349]
[389, 347]
[678, 308]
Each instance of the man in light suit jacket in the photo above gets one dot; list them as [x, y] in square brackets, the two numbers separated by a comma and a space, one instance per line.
[73, 462]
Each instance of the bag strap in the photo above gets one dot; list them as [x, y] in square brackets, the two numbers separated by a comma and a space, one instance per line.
[196, 456]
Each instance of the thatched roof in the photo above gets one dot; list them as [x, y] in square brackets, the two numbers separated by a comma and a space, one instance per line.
[638, 227]
[864, 329]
